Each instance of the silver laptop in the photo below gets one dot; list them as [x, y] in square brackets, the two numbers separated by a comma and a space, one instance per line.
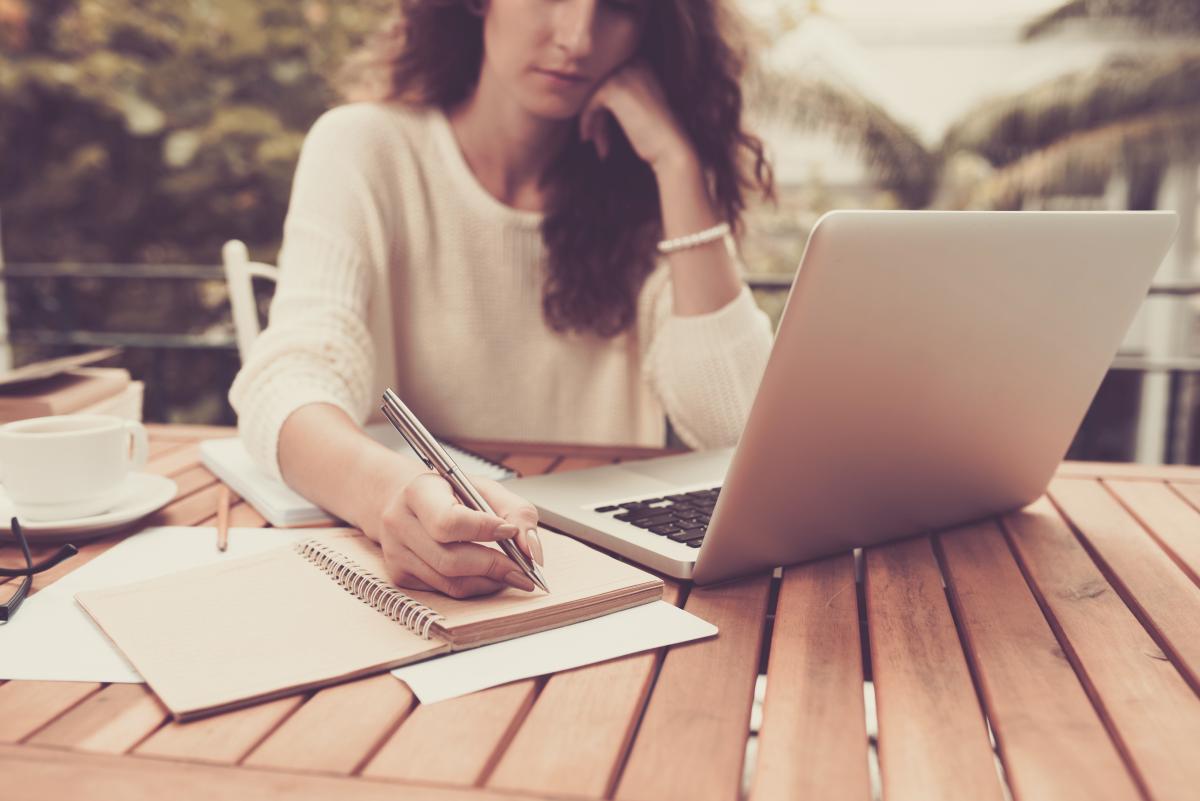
[930, 368]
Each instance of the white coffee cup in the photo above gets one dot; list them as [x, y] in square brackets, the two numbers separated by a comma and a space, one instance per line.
[69, 466]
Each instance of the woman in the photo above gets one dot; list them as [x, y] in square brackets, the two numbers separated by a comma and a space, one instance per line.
[483, 237]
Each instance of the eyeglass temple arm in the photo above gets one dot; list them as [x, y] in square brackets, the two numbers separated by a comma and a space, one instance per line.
[65, 552]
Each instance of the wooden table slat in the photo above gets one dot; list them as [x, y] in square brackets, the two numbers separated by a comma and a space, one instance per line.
[1172, 521]
[111, 721]
[455, 741]
[1151, 582]
[192, 480]
[337, 728]
[530, 464]
[27, 706]
[190, 511]
[691, 742]
[161, 447]
[1145, 703]
[570, 463]
[243, 515]
[175, 461]
[1135, 472]
[933, 741]
[49, 774]
[222, 739]
[574, 739]
[183, 432]
[813, 740]
[1053, 743]
[1189, 492]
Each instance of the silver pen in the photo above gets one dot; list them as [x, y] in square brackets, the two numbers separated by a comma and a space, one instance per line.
[430, 451]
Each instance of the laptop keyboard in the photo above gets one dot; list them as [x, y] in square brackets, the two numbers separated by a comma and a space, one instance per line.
[682, 518]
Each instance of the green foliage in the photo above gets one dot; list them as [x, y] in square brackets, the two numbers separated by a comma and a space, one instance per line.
[154, 130]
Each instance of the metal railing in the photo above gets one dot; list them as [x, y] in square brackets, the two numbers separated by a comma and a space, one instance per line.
[68, 335]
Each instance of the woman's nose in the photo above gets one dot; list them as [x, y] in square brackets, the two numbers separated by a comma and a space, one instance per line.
[573, 27]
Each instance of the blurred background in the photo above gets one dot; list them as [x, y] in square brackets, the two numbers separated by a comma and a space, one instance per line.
[137, 137]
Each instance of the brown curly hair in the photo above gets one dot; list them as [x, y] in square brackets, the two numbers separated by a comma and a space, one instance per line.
[602, 218]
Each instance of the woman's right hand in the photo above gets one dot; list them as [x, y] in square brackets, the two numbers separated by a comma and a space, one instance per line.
[431, 541]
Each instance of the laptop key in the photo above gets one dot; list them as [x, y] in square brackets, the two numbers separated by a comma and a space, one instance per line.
[604, 509]
[694, 543]
[668, 528]
[687, 534]
[651, 522]
[639, 514]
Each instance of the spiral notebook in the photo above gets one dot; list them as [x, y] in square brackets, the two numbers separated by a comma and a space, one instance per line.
[278, 503]
[246, 630]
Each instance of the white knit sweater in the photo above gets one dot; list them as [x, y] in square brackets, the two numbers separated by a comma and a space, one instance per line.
[399, 269]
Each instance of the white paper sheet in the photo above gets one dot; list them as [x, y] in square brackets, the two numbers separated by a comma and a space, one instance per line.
[641, 628]
[52, 639]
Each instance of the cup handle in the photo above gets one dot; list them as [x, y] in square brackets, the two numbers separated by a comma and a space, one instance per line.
[141, 444]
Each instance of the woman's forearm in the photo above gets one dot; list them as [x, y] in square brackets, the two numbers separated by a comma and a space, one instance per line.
[327, 458]
[703, 278]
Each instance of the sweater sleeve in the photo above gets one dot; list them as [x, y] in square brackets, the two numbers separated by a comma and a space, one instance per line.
[705, 368]
[316, 347]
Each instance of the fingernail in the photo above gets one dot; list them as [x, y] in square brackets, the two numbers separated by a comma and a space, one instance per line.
[535, 546]
[507, 531]
[518, 580]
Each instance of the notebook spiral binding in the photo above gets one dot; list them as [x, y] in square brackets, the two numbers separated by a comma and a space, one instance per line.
[380, 594]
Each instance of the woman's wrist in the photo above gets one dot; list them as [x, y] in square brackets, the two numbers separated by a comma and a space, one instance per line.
[326, 457]
[377, 477]
[677, 164]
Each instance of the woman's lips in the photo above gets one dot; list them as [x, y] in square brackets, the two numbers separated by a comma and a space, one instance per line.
[563, 79]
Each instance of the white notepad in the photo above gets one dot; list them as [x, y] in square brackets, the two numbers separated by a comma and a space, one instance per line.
[229, 460]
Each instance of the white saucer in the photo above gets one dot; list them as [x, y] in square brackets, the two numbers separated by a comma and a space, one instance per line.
[141, 494]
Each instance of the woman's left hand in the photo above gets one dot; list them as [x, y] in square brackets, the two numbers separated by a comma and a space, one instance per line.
[634, 97]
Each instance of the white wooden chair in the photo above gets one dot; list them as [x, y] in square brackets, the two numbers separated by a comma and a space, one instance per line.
[239, 275]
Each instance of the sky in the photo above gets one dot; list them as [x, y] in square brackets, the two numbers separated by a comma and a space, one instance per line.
[884, 18]
[927, 63]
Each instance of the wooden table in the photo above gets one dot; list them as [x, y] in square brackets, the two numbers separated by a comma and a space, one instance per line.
[1070, 631]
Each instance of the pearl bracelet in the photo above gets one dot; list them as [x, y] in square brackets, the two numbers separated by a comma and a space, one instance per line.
[694, 240]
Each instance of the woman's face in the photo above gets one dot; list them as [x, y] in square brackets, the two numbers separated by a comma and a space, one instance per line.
[550, 55]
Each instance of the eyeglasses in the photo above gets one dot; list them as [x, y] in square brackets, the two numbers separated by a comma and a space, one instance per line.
[10, 606]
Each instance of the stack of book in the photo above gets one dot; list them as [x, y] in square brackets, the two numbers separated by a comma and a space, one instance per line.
[68, 386]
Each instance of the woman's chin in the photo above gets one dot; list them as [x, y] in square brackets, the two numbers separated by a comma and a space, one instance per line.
[554, 107]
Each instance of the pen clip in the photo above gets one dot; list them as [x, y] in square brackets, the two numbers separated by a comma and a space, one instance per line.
[394, 419]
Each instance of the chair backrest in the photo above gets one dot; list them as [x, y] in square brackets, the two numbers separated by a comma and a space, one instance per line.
[239, 272]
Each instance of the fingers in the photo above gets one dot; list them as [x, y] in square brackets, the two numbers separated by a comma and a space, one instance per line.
[601, 135]
[464, 568]
[407, 570]
[594, 122]
[437, 509]
[430, 538]
[517, 511]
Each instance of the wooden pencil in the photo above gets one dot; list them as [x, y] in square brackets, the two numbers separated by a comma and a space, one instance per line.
[223, 518]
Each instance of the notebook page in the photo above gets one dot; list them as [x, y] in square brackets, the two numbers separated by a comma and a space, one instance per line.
[578, 577]
[226, 634]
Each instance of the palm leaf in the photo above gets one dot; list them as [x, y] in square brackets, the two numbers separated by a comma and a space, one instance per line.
[1152, 16]
[1088, 157]
[892, 152]
[1008, 129]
